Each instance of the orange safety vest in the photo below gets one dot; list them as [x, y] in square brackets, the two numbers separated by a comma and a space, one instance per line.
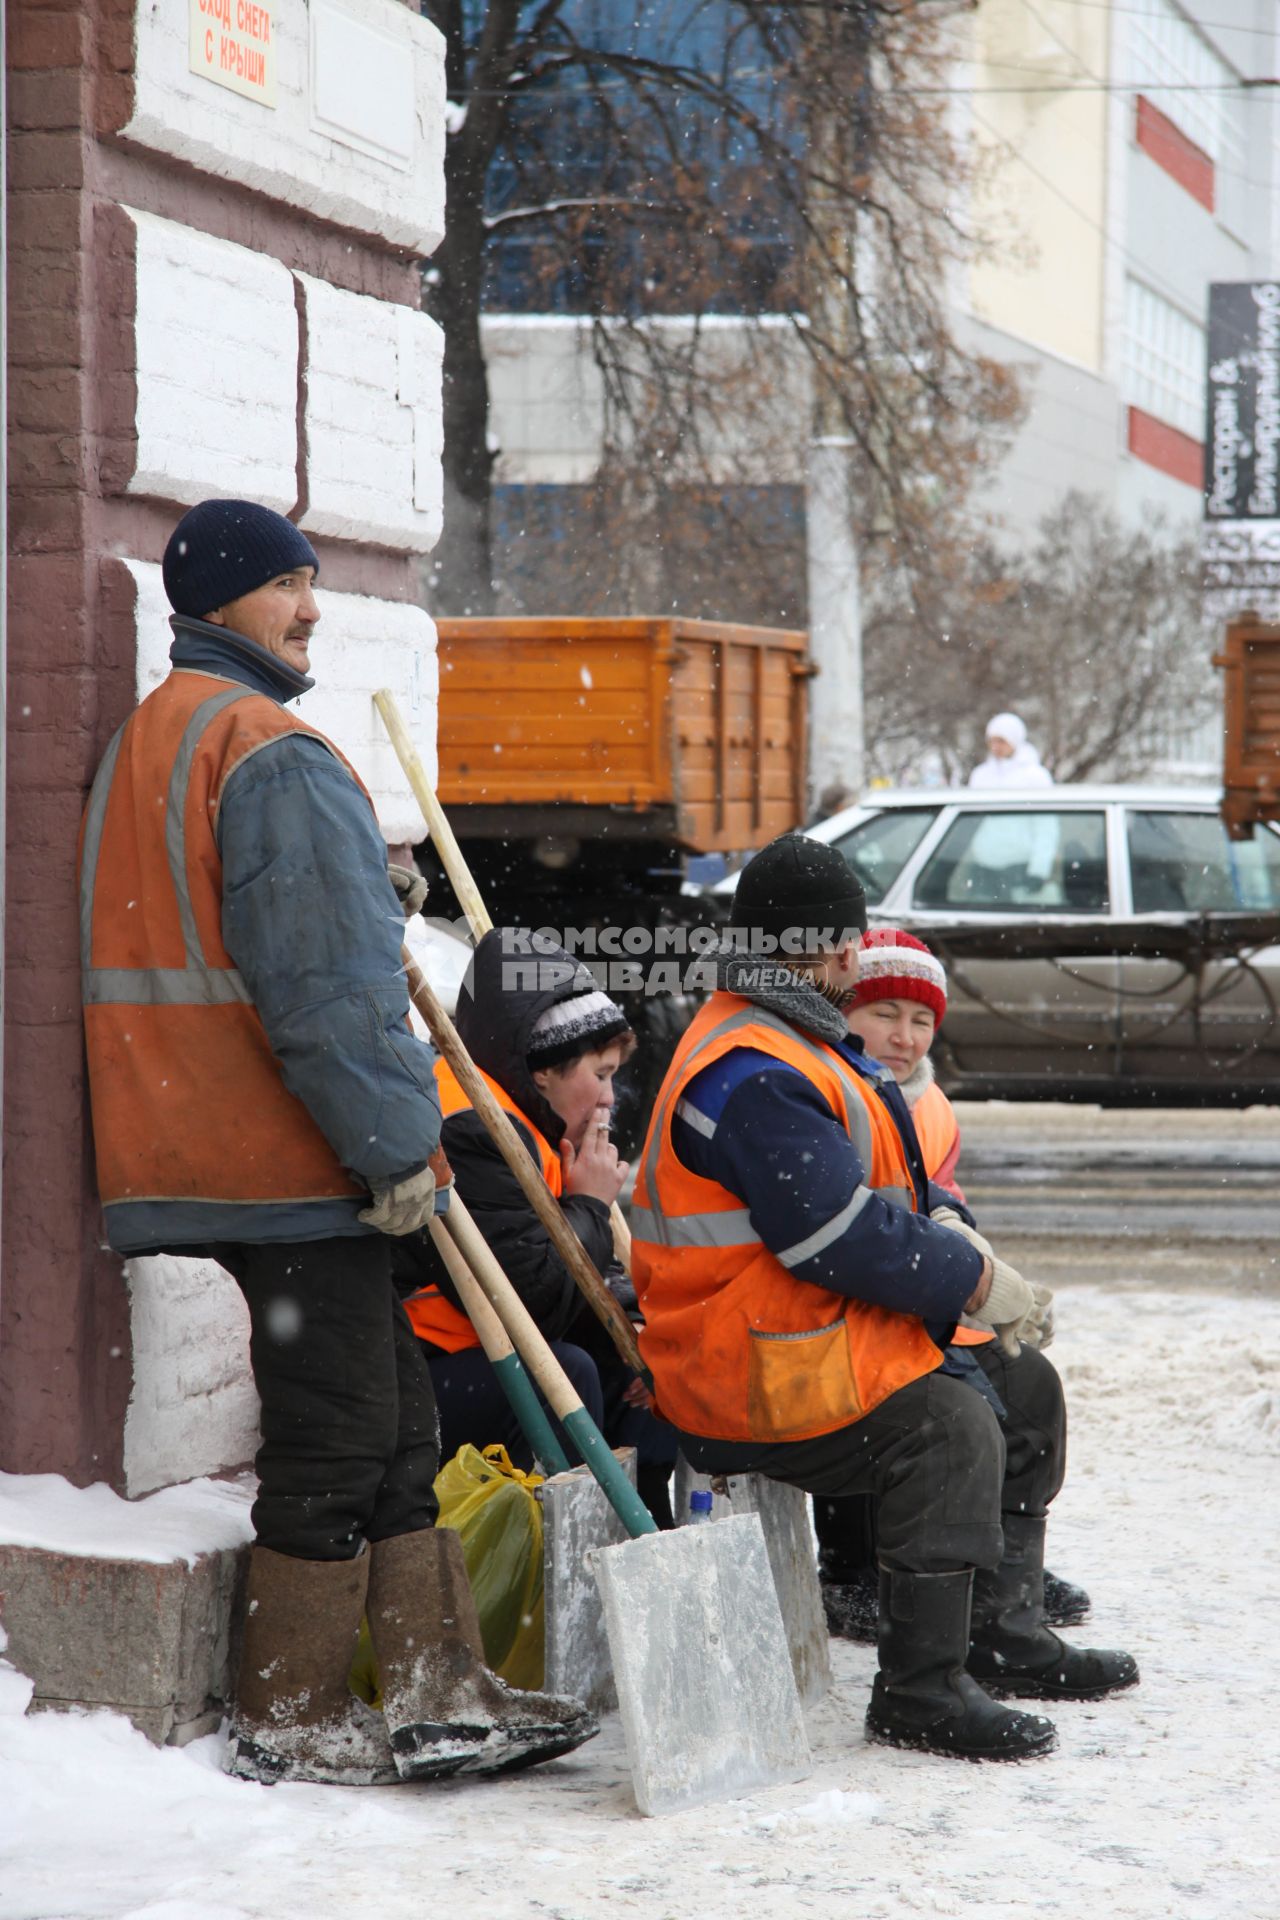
[738, 1348]
[938, 1132]
[188, 1101]
[435, 1318]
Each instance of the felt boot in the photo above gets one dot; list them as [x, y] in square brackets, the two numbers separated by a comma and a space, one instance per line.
[1013, 1651]
[922, 1696]
[295, 1716]
[446, 1712]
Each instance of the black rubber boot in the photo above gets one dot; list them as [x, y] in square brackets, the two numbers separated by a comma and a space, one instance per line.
[1065, 1605]
[1013, 1651]
[922, 1697]
[852, 1605]
[847, 1564]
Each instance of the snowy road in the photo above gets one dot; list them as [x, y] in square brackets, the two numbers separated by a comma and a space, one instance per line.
[1172, 1197]
[1163, 1804]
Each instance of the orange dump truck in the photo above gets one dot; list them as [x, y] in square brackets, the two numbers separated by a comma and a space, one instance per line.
[602, 752]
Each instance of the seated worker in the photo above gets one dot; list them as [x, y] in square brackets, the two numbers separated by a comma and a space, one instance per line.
[549, 1044]
[797, 1302]
[900, 999]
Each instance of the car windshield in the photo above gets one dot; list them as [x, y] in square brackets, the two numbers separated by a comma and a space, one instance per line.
[1006, 862]
[1185, 863]
[878, 849]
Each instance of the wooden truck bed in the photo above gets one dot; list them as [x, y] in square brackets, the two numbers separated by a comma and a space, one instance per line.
[684, 731]
[1250, 660]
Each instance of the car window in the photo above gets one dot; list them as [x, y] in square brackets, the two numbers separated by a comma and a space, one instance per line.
[879, 849]
[1185, 863]
[1033, 862]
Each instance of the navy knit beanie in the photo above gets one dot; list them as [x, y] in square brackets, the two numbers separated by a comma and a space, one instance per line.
[802, 893]
[224, 548]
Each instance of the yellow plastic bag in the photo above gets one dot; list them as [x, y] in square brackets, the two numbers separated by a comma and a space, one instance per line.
[491, 1504]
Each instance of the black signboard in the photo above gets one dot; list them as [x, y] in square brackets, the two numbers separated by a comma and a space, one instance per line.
[1242, 433]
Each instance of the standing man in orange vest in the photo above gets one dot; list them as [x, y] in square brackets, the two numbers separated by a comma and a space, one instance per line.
[797, 1301]
[898, 1007]
[259, 1097]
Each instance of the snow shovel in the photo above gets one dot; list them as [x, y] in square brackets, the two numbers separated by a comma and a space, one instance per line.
[705, 1684]
[461, 879]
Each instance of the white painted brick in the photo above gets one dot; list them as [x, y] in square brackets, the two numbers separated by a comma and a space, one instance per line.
[373, 419]
[314, 148]
[193, 1409]
[217, 366]
[361, 644]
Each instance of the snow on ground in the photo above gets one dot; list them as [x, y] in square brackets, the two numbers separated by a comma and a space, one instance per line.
[1161, 1804]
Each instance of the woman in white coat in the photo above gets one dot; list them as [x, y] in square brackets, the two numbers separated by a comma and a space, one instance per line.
[1011, 759]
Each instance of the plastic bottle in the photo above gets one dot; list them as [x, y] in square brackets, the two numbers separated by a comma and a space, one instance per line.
[699, 1505]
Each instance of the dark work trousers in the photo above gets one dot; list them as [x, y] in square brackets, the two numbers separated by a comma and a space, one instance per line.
[941, 1465]
[350, 1445]
[474, 1408]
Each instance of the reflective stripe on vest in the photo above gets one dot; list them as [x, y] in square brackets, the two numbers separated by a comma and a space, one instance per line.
[191, 1113]
[734, 1229]
[740, 1346]
[197, 984]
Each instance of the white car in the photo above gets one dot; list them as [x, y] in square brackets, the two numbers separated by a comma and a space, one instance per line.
[1106, 942]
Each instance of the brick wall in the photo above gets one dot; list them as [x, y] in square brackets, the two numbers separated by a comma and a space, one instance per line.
[160, 230]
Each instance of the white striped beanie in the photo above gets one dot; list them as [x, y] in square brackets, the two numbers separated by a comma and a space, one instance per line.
[893, 965]
[584, 1024]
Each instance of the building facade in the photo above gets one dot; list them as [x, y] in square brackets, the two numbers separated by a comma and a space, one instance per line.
[1132, 157]
[1129, 157]
[216, 215]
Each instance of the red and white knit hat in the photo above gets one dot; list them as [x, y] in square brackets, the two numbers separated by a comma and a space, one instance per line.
[893, 965]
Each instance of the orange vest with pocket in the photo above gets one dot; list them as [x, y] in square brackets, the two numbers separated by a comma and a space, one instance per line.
[188, 1100]
[434, 1318]
[738, 1348]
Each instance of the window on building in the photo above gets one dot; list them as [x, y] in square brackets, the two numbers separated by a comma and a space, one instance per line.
[1192, 85]
[1163, 360]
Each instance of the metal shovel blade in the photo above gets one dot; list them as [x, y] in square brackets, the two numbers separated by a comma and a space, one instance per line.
[788, 1535]
[705, 1684]
[577, 1520]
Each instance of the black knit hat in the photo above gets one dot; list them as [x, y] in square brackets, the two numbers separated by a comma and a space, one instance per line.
[224, 548]
[801, 894]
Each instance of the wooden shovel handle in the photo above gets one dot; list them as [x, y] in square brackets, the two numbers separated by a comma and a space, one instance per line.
[530, 1342]
[463, 883]
[513, 1151]
[434, 814]
[490, 1332]
[495, 1340]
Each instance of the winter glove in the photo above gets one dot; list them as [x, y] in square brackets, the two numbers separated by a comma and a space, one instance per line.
[1010, 1306]
[948, 1217]
[411, 888]
[1040, 1332]
[404, 1207]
